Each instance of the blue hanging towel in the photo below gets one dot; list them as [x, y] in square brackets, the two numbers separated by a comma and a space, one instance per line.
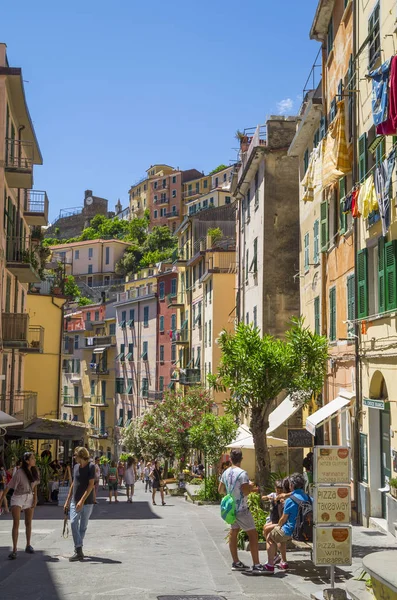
[380, 88]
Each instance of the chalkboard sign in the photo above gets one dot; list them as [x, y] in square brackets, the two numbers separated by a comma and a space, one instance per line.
[299, 438]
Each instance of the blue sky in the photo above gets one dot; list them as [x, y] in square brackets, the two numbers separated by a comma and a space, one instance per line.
[114, 87]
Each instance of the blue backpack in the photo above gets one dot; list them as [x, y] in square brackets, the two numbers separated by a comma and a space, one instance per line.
[228, 505]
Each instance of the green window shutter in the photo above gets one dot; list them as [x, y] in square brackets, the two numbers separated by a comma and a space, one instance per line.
[391, 274]
[317, 315]
[362, 157]
[342, 216]
[381, 275]
[316, 229]
[324, 226]
[362, 282]
[332, 314]
[351, 308]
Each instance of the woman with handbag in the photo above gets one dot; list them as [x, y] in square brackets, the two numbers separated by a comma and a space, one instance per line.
[157, 484]
[112, 481]
[24, 483]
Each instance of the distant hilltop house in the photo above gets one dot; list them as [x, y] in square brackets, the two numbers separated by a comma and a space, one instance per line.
[71, 221]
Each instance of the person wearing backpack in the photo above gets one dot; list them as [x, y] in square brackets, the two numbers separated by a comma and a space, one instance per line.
[294, 522]
[235, 486]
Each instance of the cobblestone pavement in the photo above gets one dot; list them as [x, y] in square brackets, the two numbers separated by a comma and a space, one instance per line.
[141, 551]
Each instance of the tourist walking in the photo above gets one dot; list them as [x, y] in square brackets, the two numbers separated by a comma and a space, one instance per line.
[80, 499]
[24, 483]
[282, 533]
[105, 474]
[235, 481]
[157, 483]
[120, 472]
[97, 478]
[3, 483]
[129, 478]
[146, 476]
[112, 481]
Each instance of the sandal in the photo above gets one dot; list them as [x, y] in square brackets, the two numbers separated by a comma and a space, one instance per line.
[154, 504]
[12, 556]
[29, 550]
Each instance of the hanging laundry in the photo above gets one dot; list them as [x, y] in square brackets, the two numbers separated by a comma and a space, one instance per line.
[383, 175]
[355, 211]
[347, 203]
[367, 200]
[336, 161]
[389, 127]
[307, 181]
[380, 87]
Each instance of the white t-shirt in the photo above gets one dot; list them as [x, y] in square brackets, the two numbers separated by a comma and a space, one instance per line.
[129, 476]
[233, 478]
[146, 472]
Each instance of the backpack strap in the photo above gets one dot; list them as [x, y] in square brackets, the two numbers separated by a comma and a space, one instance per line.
[234, 485]
[299, 502]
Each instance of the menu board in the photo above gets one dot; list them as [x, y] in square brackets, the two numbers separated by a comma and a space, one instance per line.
[299, 438]
[331, 464]
[332, 545]
[332, 504]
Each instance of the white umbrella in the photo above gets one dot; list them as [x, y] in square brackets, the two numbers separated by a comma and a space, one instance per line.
[8, 420]
[244, 439]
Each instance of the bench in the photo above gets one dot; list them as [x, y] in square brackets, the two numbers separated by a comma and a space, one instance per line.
[301, 545]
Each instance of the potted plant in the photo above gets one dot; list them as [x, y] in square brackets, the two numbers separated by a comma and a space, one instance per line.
[43, 465]
[393, 486]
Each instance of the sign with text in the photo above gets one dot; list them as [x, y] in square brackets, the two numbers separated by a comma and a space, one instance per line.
[331, 464]
[332, 545]
[332, 504]
[374, 403]
[299, 438]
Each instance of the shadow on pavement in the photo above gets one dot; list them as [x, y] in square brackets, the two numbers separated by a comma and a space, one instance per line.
[26, 577]
[361, 551]
[317, 575]
[105, 561]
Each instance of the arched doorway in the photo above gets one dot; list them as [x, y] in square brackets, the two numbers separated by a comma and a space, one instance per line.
[378, 390]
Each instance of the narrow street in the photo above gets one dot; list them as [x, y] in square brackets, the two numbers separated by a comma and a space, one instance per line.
[144, 552]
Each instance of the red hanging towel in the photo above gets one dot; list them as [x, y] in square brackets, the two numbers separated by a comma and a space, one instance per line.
[355, 212]
[389, 127]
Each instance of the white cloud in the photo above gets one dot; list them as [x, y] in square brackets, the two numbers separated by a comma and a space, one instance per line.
[285, 106]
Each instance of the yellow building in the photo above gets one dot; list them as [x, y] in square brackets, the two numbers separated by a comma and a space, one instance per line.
[140, 193]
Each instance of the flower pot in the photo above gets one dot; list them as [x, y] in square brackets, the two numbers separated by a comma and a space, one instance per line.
[56, 290]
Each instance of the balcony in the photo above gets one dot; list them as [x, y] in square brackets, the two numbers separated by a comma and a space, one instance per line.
[35, 208]
[180, 336]
[21, 405]
[192, 193]
[72, 401]
[254, 139]
[103, 341]
[15, 329]
[99, 401]
[35, 339]
[172, 214]
[136, 293]
[190, 377]
[175, 299]
[160, 185]
[99, 369]
[18, 164]
[22, 260]
[153, 396]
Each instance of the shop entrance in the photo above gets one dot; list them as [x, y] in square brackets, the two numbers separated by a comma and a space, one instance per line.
[385, 451]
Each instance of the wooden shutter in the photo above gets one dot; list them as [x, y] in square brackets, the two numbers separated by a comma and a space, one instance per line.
[381, 275]
[362, 157]
[391, 275]
[332, 314]
[362, 283]
[324, 226]
[317, 315]
[351, 308]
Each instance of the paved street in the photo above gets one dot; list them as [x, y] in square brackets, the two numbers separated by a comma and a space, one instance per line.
[143, 552]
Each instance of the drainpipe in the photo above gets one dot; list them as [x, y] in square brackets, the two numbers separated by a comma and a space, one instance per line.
[358, 406]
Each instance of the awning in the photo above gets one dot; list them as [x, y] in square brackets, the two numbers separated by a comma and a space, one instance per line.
[244, 439]
[329, 410]
[282, 413]
[51, 429]
[8, 421]
[100, 350]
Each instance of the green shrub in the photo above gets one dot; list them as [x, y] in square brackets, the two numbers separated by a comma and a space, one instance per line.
[260, 516]
[209, 489]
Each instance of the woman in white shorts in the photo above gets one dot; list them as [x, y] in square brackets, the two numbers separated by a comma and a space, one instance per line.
[24, 483]
[129, 478]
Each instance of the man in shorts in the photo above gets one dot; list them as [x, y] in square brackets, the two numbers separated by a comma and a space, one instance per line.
[282, 533]
[236, 482]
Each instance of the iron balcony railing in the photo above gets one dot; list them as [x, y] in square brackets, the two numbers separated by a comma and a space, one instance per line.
[176, 299]
[35, 338]
[140, 292]
[15, 327]
[160, 185]
[100, 401]
[154, 396]
[189, 377]
[36, 202]
[19, 250]
[172, 213]
[19, 155]
[191, 193]
[102, 340]
[72, 400]
[180, 336]
[22, 405]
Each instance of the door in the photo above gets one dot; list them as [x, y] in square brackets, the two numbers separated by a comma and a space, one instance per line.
[385, 457]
